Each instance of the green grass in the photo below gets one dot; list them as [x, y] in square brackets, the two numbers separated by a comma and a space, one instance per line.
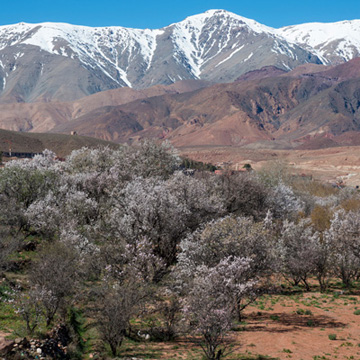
[304, 312]
[347, 344]
[9, 320]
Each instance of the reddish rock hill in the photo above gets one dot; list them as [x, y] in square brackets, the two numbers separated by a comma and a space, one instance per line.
[312, 107]
[286, 110]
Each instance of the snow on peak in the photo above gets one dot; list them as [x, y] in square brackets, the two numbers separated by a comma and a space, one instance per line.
[227, 16]
[91, 45]
[344, 36]
[200, 38]
[81, 37]
[199, 42]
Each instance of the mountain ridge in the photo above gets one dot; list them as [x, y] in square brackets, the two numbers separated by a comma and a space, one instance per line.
[65, 62]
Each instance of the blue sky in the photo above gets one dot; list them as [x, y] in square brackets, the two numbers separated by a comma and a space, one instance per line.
[159, 13]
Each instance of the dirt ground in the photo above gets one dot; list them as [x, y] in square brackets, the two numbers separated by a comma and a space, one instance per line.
[330, 165]
[298, 327]
[284, 333]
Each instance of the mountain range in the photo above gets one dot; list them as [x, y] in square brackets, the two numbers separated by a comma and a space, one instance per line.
[56, 61]
[215, 78]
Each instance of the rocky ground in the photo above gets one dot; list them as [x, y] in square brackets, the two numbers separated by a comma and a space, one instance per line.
[54, 346]
[4, 343]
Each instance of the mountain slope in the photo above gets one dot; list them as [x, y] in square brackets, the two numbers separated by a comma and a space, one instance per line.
[282, 110]
[43, 116]
[333, 42]
[43, 62]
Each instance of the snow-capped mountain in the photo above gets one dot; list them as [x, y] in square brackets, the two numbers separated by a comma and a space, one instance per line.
[333, 42]
[56, 61]
[61, 61]
[219, 46]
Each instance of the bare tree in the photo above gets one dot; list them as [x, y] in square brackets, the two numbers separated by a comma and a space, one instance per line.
[54, 274]
[119, 305]
[28, 306]
[243, 194]
[8, 244]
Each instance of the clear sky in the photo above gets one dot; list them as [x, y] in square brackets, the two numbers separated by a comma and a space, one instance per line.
[159, 13]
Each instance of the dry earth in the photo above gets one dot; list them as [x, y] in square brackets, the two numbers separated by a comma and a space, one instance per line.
[305, 336]
[278, 327]
[331, 164]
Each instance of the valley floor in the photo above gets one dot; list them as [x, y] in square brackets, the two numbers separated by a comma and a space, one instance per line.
[330, 165]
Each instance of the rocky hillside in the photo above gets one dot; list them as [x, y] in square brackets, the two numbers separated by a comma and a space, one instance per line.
[282, 110]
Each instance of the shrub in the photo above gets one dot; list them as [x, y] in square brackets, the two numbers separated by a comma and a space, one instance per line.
[310, 323]
[332, 336]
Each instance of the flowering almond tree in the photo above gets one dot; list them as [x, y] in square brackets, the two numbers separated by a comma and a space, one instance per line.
[209, 306]
[344, 239]
[297, 250]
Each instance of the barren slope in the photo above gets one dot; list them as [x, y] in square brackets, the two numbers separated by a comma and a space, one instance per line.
[44, 116]
[268, 105]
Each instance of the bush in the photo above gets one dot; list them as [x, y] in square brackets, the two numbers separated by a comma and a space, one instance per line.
[303, 312]
[310, 323]
[332, 336]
